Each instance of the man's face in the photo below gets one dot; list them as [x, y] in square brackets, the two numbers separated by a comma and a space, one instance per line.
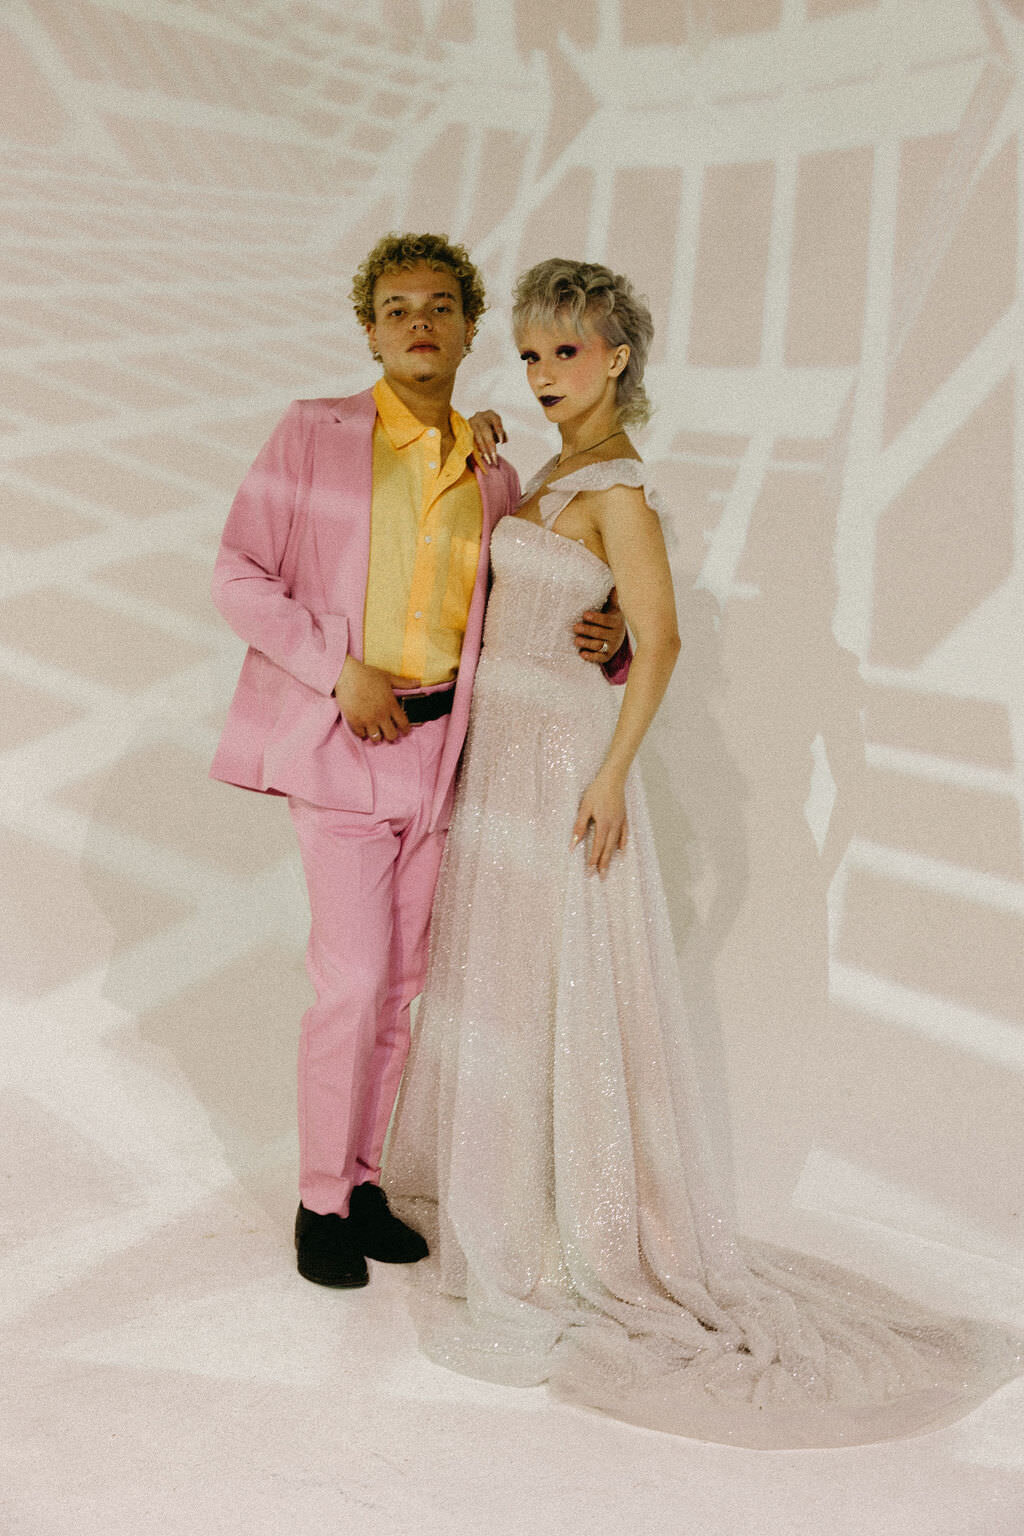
[419, 330]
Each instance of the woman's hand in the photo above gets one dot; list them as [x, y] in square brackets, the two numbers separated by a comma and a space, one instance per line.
[488, 432]
[603, 807]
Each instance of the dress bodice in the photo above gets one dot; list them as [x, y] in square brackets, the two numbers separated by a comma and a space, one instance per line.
[544, 581]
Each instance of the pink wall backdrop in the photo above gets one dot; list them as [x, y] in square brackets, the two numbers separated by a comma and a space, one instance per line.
[822, 200]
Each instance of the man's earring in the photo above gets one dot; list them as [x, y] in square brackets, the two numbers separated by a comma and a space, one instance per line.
[375, 355]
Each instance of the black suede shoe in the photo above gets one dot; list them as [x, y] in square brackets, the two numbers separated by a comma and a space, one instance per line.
[378, 1232]
[329, 1251]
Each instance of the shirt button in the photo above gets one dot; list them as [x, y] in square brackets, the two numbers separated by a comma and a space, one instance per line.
[418, 614]
[432, 464]
[426, 538]
[432, 432]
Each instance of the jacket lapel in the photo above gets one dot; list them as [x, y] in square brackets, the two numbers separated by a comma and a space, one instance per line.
[341, 490]
[495, 499]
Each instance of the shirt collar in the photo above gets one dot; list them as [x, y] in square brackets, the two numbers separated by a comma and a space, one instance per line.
[403, 428]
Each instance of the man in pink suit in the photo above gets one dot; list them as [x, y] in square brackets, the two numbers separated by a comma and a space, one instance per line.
[354, 563]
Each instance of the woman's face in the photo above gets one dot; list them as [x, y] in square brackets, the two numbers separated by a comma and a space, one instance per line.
[571, 374]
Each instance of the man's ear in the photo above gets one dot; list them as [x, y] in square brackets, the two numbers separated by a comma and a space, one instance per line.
[371, 336]
[470, 333]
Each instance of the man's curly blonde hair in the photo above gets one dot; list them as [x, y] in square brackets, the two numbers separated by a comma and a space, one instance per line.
[398, 253]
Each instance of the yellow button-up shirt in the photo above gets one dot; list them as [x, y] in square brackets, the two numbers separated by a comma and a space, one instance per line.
[426, 521]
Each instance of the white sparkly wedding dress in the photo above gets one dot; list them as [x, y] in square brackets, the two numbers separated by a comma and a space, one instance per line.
[549, 1137]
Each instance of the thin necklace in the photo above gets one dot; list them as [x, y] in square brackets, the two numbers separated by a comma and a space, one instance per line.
[599, 444]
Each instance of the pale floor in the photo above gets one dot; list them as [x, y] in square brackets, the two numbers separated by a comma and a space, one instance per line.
[166, 1370]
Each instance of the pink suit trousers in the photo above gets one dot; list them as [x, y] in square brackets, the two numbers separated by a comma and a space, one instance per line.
[371, 877]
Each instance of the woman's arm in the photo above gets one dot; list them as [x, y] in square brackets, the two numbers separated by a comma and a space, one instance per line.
[635, 550]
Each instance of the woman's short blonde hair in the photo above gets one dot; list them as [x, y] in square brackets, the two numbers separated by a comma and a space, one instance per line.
[585, 291]
[397, 253]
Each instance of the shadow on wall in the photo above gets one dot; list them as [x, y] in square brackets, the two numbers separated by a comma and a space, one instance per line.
[696, 796]
[755, 770]
[793, 717]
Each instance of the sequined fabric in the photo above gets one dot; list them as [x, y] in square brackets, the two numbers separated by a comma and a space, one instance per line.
[549, 1137]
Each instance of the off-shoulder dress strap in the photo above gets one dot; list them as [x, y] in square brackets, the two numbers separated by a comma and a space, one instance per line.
[592, 477]
[537, 479]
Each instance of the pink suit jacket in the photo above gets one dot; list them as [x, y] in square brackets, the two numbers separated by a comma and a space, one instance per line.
[290, 578]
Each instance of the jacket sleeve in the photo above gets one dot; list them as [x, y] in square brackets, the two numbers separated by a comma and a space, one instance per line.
[616, 668]
[248, 588]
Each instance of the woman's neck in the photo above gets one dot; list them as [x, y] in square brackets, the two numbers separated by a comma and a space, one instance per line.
[596, 433]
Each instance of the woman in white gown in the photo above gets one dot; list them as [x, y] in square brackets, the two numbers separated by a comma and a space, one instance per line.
[549, 1135]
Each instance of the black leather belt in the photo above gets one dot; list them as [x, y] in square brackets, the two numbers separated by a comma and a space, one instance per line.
[427, 706]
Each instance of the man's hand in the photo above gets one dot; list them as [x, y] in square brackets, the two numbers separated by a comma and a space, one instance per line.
[597, 636]
[488, 432]
[366, 699]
